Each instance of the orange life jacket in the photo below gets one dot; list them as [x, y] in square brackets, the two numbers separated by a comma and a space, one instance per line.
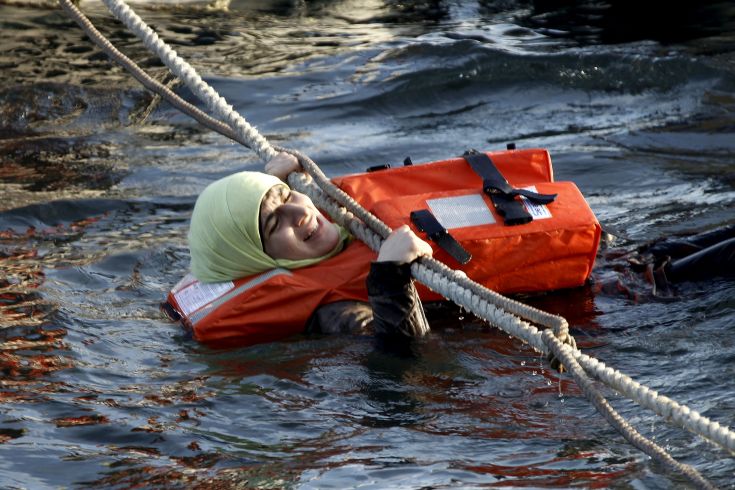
[555, 250]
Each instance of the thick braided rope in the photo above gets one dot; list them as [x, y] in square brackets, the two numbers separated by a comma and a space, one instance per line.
[478, 305]
[215, 103]
[662, 405]
[147, 81]
[567, 356]
[682, 415]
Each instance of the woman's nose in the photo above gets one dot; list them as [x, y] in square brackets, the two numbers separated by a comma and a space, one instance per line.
[297, 213]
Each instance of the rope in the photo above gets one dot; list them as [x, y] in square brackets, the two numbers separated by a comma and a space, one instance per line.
[481, 307]
[251, 138]
[215, 103]
[662, 405]
[566, 355]
[148, 82]
[478, 305]
[452, 284]
[545, 342]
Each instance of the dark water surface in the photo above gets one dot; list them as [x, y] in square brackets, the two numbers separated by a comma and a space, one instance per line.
[97, 185]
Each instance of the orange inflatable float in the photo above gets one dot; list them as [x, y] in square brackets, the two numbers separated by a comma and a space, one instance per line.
[523, 231]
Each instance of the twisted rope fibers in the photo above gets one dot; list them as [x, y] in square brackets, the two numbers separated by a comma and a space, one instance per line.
[468, 298]
[215, 103]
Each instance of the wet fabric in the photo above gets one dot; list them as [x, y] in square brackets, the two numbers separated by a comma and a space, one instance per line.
[702, 256]
[397, 308]
[556, 250]
[394, 310]
[671, 260]
[717, 260]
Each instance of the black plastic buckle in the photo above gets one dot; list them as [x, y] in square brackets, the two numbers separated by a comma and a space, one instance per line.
[501, 193]
[512, 210]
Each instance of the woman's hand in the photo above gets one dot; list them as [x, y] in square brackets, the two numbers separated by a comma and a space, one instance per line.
[283, 164]
[403, 246]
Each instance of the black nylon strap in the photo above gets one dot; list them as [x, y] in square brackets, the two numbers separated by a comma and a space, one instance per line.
[427, 222]
[494, 182]
[501, 192]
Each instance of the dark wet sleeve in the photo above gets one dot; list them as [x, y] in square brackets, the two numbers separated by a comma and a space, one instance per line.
[397, 309]
[679, 247]
[714, 261]
[341, 317]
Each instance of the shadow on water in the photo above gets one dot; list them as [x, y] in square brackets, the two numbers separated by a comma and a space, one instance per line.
[622, 21]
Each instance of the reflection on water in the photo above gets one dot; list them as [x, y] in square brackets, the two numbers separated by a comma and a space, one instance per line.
[98, 181]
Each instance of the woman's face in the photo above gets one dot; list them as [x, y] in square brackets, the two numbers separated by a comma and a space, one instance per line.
[291, 227]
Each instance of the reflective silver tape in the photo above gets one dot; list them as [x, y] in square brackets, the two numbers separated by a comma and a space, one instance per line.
[256, 281]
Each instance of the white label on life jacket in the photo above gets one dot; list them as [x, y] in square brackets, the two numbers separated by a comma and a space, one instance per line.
[461, 211]
[537, 211]
[198, 294]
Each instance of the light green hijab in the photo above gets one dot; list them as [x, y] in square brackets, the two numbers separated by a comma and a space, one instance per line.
[224, 236]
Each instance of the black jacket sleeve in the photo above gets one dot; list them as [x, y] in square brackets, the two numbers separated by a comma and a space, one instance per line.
[397, 309]
[394, 308]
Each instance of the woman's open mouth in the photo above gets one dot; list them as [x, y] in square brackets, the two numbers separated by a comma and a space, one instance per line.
[314, 228]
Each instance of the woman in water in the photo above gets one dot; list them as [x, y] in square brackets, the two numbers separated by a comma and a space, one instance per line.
[251, 222]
